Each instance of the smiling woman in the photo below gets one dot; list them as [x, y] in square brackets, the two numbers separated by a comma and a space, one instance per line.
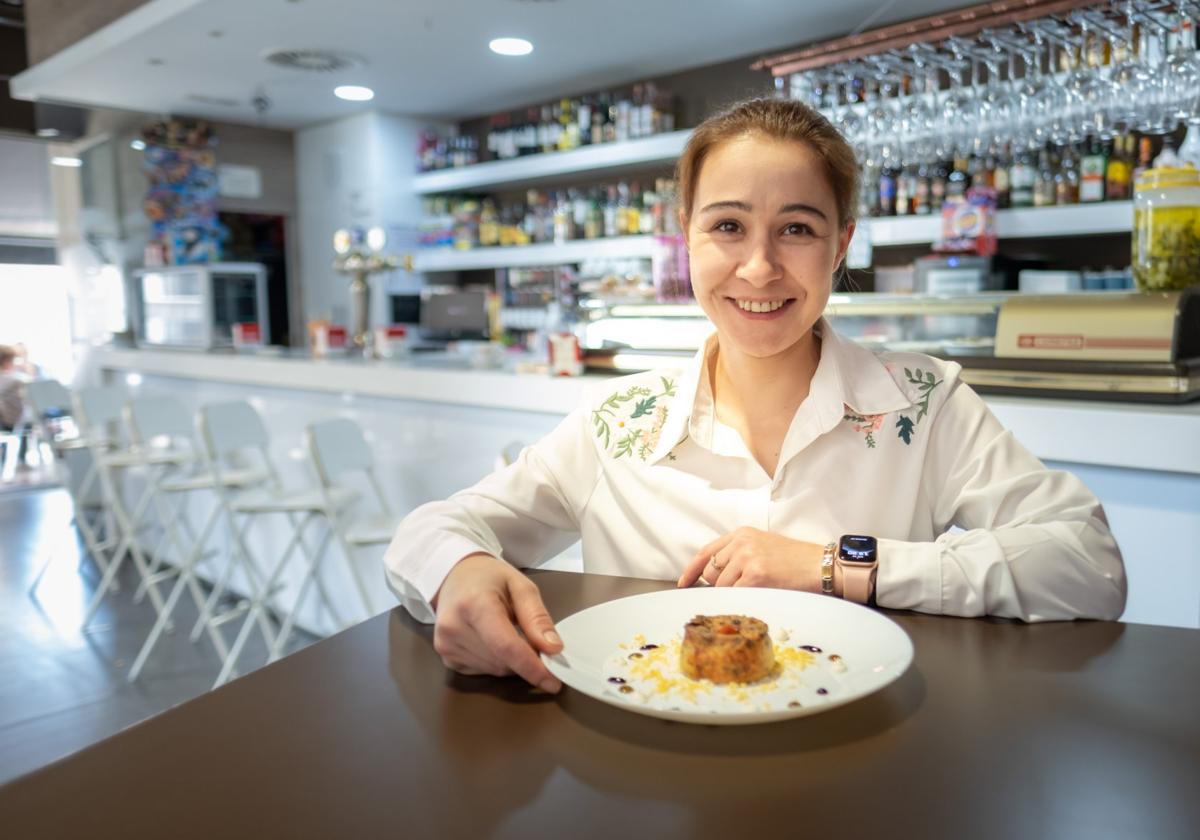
[782, 456]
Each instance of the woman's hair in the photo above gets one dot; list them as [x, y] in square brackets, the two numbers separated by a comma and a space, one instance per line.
[7, 355]
[778, 119]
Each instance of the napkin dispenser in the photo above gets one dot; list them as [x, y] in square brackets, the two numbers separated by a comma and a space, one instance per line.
[1105, 326]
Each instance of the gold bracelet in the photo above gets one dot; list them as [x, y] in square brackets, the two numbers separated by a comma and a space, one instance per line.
[827, 568]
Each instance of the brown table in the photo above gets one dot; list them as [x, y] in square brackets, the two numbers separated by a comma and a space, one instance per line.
[999, 729]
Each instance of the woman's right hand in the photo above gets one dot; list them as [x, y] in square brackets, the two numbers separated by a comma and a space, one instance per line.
[480, 607]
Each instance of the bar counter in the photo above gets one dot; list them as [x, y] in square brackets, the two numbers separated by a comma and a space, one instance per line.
[437, 425]
[997, 730]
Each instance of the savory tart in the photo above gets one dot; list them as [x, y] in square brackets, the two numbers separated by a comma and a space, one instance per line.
[726, 649]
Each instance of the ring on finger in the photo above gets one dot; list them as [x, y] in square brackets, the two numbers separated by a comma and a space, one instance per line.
[717, 566]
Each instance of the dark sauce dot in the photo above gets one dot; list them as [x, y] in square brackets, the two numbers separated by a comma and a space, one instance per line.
[810, 648]
[822, 691]
[649, 647]
[617, 680]
[795, 704]
[626, 689]
[833, 657]
[635, 656]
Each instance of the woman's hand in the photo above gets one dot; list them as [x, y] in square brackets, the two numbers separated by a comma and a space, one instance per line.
[750, 557]
[480, 606]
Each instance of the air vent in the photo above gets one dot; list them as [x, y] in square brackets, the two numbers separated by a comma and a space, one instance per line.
[212, 100]
[314, 61]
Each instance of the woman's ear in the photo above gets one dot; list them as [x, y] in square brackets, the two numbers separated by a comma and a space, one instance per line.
[847, 233]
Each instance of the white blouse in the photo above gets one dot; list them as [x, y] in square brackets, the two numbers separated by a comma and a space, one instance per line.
[891, 445]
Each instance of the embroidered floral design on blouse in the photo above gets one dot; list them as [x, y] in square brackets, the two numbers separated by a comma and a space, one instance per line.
[925, 382]
[864, 424]
[615, 419]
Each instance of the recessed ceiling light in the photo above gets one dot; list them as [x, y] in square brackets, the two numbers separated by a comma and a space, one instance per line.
[137, 145]
[66, 161]
[510, 46]
[47, 132]
[354, 93]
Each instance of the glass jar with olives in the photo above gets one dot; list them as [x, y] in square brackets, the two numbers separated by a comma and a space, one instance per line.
[1166, 229]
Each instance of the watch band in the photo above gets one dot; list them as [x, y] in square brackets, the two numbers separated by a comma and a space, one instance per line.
[827, 568]
[858, 581]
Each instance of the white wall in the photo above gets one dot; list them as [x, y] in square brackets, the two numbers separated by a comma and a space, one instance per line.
[354, 172]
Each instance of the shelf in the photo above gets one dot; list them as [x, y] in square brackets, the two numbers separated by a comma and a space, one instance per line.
[1026, 222]
[448, 259]
[587, 160]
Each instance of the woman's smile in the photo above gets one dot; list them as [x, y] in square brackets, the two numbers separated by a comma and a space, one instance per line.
[761, 309]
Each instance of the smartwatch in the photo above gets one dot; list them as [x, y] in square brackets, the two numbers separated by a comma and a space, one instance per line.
[857, 559]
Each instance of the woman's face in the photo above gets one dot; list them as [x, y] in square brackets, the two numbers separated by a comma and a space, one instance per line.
[764, 241]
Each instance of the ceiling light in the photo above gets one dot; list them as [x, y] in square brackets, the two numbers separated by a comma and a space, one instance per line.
[47, 132]
[354, 93]
[510, 46]
[66, 161]
[137, 145]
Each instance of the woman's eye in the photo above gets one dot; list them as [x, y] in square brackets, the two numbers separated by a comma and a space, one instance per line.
[798, 229]
[727, 226]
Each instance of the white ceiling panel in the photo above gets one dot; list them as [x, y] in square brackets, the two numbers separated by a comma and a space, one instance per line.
[422, 57]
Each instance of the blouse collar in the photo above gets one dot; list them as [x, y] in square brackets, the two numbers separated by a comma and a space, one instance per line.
[848, 377]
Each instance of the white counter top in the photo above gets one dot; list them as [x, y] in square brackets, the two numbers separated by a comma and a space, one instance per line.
[1134, 435]
[431, 377]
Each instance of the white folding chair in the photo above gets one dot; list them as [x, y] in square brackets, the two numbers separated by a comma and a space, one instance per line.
[162, 419]
[52, 407]
[230, 430]
[338, 448]
[99, 410]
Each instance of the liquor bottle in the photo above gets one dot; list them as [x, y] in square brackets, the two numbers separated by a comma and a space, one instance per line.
[887, 191]
[977, 172]
[903, 193]
[564, 219]
[579, 210]
[610, 212]
[583, 119]
[568, 133]
[633, 214]
[1118, 177]
[957, 180]
[937, 187]
[599, 118]
[1044, 189]
[921, 196]
[1021, 180]
[489, 224]
[593, 227]
[1001, 180]
[620, 113]
[1145, 156]
[1066, 180]
[1092, 167]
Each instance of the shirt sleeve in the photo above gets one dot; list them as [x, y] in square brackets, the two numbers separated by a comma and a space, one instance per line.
[1030, 543]
[525, 513]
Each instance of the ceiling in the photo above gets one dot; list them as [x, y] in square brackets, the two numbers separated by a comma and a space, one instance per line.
[422, 57]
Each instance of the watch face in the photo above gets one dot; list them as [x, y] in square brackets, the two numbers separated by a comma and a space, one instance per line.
[855, 549]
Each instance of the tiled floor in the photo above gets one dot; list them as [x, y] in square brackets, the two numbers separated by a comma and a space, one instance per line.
[62, 689]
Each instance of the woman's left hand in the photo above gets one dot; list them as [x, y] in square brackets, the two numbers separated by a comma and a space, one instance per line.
[750, 557]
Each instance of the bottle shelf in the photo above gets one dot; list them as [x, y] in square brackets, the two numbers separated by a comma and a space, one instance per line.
[549, 253]
[603, 158]
[1031, 222]
[1021, 223]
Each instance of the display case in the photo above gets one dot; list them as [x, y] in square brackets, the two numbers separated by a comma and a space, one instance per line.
[197, 306]
[1097, 345]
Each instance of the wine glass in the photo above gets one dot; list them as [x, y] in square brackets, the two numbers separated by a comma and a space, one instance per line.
[1181, 73]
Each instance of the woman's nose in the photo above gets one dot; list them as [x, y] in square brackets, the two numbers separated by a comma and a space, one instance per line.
[761, 265]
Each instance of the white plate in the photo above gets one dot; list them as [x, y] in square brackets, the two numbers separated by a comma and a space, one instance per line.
[873, 652]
